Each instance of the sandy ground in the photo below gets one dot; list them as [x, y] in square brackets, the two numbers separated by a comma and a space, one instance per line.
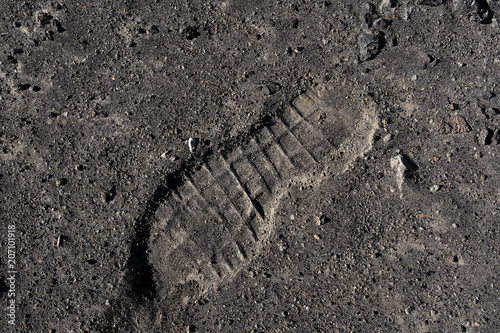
[342, 174]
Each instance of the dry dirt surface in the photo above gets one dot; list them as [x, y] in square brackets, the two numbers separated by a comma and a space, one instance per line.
[249, 166]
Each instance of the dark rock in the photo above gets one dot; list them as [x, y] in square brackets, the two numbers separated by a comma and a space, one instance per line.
[24, 86]
[369, 45]
[453, 124]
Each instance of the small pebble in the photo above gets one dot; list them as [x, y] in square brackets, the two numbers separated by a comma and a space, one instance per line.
[434, 188]
[282, 245]
[484, 136]
[318, 237]
[319, 220]
[61, 181]
[387, 138]
[193, 144]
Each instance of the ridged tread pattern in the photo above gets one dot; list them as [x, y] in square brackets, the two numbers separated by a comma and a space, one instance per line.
[212, 225]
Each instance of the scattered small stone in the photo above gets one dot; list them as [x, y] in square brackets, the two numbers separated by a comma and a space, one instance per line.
[193, 144]
[380, 24]
[173, 158]
[430, 2]
[485, 136]
[271, 88]
[369, 45]
[454, 225]
[59, 241]
[282, 245]
[485, 100]
[23, 86]
[102, 197]
[452, 124]
[190, 32]
[404, 165]
[61, 181]
[434, 188]
[321, 219]
[490, 112]
[44, 19]
[453, 106]
[316, 236]
[453, 258]
[191, 328]
[153, 30]
[404, 169]
[389, 4]
[477, 11]
[369, 15]
[254, 37]
[495, 138]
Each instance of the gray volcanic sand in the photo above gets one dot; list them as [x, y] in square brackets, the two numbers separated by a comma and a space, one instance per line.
[345, 177]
